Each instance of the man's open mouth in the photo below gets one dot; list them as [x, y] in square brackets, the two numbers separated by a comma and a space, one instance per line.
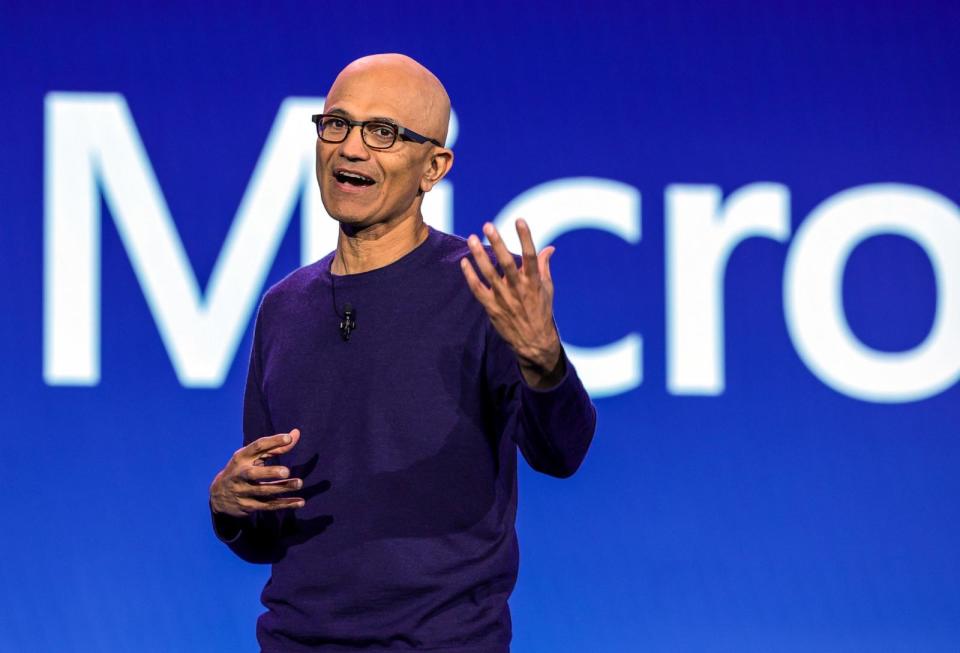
[353, 178]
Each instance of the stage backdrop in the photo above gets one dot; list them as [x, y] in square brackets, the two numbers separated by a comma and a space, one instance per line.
[757, 274]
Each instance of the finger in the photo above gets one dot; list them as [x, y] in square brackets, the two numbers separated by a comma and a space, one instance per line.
[274, 504]
[504, 257]
[271, 488]
[544, 260]
[271, 445]
[294, 439]
[295, 483]
[483, 294]
[483, 261]
[260, 447]
[528, 250]
[260, 473]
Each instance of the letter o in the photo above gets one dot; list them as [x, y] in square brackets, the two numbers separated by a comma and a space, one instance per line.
[813, 292]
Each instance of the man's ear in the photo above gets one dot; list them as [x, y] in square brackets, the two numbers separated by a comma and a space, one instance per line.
[438, 166]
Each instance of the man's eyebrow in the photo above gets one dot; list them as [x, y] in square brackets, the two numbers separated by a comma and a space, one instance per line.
[340, 112]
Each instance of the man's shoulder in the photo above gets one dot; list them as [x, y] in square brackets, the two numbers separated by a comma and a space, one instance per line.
[451, 248]
[302, 281]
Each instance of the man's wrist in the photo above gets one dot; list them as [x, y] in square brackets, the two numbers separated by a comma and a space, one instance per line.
[548, 371]
[226, 526]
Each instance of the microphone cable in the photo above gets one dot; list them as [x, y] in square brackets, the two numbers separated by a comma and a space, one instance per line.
[348, 321]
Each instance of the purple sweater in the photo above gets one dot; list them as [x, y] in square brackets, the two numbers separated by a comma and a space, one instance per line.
[408, 452]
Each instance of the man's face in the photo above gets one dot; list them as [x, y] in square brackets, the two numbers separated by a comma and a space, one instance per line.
[393, 176]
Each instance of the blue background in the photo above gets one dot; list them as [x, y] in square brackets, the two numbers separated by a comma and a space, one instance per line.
[779, 516]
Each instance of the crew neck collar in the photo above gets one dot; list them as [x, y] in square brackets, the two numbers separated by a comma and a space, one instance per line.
[412, 259]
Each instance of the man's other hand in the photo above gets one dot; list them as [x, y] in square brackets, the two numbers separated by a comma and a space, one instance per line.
[246, 484]
[519, 303]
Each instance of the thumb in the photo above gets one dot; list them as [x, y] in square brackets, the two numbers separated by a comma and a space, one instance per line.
[294, 438]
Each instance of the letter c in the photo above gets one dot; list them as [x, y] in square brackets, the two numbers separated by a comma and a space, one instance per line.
[557, 207]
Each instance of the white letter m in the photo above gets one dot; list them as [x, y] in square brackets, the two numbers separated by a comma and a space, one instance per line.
[92, 145]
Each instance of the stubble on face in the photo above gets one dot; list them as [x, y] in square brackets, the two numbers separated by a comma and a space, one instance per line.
[381, 86]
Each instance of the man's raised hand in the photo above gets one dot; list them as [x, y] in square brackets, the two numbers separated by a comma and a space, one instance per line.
[246, 484]
[519, 303]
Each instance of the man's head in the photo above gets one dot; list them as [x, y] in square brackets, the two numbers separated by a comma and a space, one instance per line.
[396, 88]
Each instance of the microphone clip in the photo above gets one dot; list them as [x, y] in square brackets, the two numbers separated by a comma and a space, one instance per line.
[348, 323]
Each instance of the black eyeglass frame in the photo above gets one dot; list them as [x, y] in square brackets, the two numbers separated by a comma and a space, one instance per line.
[401, 131]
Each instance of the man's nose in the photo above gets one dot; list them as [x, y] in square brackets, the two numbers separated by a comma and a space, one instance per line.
[353, 146]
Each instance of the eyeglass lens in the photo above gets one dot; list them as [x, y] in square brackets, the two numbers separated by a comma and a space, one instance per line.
[375, 134]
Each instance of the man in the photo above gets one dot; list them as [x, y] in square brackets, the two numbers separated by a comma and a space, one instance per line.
[390, 384]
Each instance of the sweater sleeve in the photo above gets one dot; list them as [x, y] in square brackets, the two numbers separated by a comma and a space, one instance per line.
[254, 537]
[552, 427]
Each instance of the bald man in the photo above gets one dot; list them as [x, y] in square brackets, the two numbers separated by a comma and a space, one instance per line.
[389, 387]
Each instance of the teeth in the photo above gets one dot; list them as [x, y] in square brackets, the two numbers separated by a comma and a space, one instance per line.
[353, 175]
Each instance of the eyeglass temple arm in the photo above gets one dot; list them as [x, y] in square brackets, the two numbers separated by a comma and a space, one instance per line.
[401, 131]
[414, 136]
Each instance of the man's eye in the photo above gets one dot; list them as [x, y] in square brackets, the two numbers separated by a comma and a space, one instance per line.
[382, 131]
[334, 123]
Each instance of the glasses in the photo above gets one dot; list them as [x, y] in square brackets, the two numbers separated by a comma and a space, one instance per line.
[376, 134]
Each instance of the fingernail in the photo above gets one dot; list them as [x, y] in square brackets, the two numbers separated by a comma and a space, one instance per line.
[286, 439]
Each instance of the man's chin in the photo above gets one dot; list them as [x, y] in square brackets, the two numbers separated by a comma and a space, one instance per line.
[352, 228]
[349, 213]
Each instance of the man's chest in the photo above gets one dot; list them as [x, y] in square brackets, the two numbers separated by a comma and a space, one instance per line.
[407, 386]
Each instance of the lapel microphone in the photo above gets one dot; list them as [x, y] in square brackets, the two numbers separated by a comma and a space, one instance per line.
[348, 323]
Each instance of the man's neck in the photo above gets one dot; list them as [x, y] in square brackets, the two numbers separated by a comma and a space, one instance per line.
[378, 245]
